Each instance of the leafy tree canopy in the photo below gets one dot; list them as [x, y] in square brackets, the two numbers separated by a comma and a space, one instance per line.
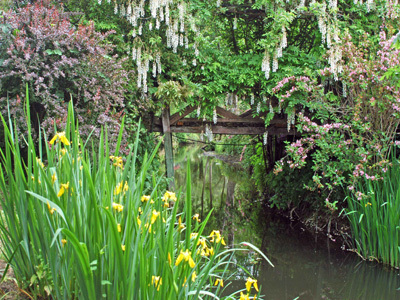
[241, 47]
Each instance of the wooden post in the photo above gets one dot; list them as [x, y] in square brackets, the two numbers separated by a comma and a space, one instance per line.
[202, 191]
[169, 156]
[210, 178]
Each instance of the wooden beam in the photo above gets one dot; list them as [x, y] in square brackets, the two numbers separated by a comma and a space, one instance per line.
[179, 115]
[169, 155]
[233, 130]
[272, 130]
[219, 130]
[221, 120]
[186, 121]
[277, 122]
[248, 114]
[225, 113]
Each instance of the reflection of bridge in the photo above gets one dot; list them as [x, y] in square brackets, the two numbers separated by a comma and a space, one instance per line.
[227, 123]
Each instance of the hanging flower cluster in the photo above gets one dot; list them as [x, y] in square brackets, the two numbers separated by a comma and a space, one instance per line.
[208, 133]
[327, 14]
[265, 138]
[172, 17]
[231, 100]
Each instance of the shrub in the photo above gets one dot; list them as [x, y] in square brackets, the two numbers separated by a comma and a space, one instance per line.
[348, 125]
[58, 59]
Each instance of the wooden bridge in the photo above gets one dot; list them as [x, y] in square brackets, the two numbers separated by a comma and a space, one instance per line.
[227, 123]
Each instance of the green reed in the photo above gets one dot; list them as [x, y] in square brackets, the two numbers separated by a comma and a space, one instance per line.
[374, 214]
[80, 225]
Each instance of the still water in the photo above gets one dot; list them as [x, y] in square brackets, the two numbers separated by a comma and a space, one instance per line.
[304, 267]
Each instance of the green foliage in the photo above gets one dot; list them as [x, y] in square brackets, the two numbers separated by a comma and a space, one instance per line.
[348, 126]
[286, 190]
[172, 93]
[76, 225]
[259, 165]
[393, 73]
[374, 216]
[5, 4]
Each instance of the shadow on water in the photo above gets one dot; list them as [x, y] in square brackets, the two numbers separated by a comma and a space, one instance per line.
[305, 267]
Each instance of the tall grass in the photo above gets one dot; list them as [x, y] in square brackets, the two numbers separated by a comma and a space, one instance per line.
[81, 225]
[374, 214]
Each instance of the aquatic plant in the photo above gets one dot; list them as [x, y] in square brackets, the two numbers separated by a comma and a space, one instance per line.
[374, 216]
[80, 225]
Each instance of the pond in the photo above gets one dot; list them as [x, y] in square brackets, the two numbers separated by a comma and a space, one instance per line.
[305, 267]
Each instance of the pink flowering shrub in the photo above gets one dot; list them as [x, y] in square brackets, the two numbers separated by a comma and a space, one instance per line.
[348, 126]
[59, 61]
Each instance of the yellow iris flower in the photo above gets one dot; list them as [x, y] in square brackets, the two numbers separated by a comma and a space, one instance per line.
[156, 281]
[218, 238]
[209, 251]
[184, 281]
[39, 162]
[202, 242]
[169, 196]
[250, 281]
[118, 207]
[60, 136]
[53, 178]
[154, 215]
[204, 250]
[219, 281]
[196, 217]
[244, 296]
[117, 161]
[121, 187]
[181, 226]
[51, 210]
[194, 275]
[185, 255]
[145, 198]
[64, 187]
[118, 188]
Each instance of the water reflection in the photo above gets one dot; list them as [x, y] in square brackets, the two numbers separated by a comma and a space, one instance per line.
[307, 268]
[304, 267]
